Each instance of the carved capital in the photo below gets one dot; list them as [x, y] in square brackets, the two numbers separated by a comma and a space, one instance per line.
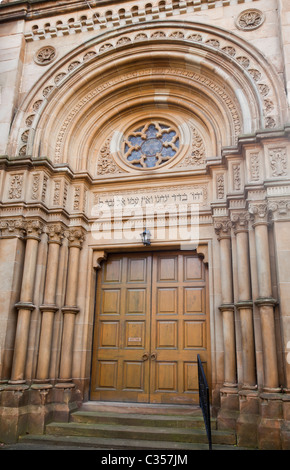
[240, 221]
[33, 228]
[279, 208]
[223, 228]
[260, 212]
[75, 237]
[12, 228]
[55, 233]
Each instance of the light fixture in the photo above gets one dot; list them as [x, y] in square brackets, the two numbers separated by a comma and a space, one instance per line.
[146, 237]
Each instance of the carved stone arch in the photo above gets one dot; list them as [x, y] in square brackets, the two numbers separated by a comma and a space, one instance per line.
[236, 86]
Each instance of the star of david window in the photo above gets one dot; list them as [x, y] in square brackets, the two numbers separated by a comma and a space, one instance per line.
[151, 145]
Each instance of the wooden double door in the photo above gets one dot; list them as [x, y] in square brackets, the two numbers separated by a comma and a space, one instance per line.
[151, 322]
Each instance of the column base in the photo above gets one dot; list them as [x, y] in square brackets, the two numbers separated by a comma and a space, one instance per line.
[269, 428]
[229, 410]
[248, 418]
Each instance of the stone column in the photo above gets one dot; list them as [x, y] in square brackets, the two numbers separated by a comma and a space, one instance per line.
[265, 302]
[33, 230]
[70, 309]
[223, 230]
[55, 235]
[244, 304]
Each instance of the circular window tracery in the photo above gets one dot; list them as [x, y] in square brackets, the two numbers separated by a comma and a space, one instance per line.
[151, 145]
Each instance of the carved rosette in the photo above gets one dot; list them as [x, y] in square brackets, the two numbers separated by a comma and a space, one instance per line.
[45, 55]
[250, 19]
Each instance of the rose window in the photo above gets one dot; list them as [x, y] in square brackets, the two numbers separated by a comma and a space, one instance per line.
[151, 145]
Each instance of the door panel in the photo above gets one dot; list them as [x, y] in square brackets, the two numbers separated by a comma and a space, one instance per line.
[122, 305]
[151, 322]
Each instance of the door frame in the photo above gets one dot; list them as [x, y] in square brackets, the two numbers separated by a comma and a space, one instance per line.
[203, 250]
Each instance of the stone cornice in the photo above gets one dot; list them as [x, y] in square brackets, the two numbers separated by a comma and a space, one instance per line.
[36, 9]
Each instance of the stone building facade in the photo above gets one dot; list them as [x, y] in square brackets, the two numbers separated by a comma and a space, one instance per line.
[170, 116]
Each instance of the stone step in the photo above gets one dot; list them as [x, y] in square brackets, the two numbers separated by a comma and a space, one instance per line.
[139, 419]
[93, 443]
[148, 433]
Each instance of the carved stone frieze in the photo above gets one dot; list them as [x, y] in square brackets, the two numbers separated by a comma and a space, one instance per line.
[278, 161]
[15, 186]
[220, 185]
[197, 153]
[106, 164]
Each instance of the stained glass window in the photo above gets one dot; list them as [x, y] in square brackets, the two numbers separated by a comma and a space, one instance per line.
[151, 145]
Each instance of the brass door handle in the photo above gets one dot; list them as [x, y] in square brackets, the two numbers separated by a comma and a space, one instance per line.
[153, 356]
[145, 357]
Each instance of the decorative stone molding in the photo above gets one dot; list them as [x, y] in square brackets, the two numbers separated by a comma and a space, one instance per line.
[98, 257]
[220, 186]
[105, 163]
[45, 55]
[15, 186]
[250, 19]
[197, 153]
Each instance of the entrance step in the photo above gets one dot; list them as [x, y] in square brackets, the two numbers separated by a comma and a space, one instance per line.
[130, 426]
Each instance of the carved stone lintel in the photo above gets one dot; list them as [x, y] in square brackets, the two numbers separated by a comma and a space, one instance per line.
[98, 257]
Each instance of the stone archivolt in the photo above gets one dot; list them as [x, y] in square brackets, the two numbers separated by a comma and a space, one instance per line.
[262, 89]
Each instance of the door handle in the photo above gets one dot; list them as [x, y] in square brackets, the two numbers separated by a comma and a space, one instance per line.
[145, 357]
[153, 356]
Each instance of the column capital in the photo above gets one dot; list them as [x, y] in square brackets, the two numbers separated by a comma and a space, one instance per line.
[55, 233]
[223, 227]
[75, 237]
[240, 221]
[33, 228]
[266, 302]
[12, 228]
[259, 212]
